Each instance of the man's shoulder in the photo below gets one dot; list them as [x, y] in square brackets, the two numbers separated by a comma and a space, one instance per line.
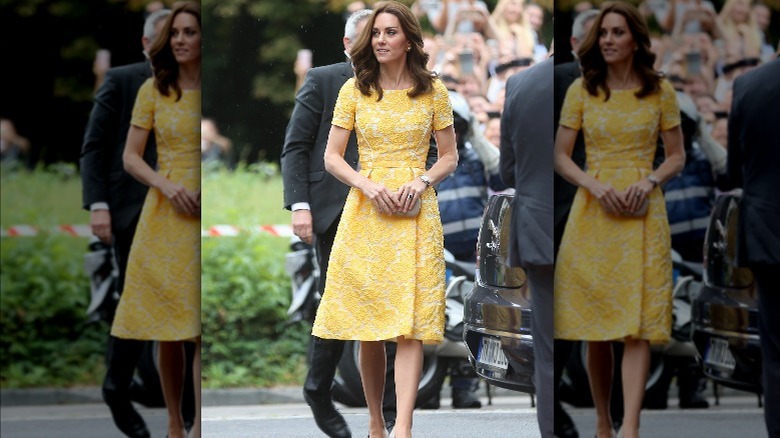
[135, 69]
[757, 76]
[340, 69]
[567, 68]
[536, 76]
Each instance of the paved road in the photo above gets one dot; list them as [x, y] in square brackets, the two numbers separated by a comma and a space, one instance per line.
[737, 416]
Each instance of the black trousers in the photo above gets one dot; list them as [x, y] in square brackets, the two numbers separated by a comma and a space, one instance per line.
[768, 282]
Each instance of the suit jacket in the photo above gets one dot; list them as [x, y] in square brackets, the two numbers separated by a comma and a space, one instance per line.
[754, 163]
[303, 154]
[564, 75]
[102, 171]
[527, 163]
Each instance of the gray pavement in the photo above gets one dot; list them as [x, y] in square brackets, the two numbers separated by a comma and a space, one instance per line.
[280, 412]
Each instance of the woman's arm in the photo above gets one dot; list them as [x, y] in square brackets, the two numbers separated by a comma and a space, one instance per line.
[383, 198]
[446, 164]
[183, 201]
[608, 197]
[672, 165]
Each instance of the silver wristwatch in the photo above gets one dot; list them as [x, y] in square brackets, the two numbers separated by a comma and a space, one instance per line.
[653, 179]
[426, 180]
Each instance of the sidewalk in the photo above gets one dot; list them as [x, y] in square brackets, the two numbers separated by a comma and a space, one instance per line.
[211, 397]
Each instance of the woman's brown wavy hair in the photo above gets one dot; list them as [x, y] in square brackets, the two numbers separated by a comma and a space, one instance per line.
[166, 69]
[366, 64]
[594, 68]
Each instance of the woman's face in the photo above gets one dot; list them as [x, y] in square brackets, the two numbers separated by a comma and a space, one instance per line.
[388, 39]
[615, 40]
[493, 131]
[740, 11]
[185, 38]
[535, 16]
[513, 11]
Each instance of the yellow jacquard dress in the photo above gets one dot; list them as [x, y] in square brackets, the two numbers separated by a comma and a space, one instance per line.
[161, 297]
[613, 275]
[386, 273]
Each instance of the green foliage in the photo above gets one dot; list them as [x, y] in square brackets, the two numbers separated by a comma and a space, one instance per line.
[247, 197]
[45, 291]
[44, 197]
[244, 296]
[245, 291]
[44, 338]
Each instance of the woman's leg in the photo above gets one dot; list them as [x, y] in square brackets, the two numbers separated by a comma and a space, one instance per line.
[599, 359]
[196, 368]
[171, 368]
[372, 372]
[636, 365]
[408, 366]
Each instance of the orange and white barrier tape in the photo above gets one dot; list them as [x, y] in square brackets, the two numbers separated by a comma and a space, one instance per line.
[86, 230]
[31, 230]
[232, 231]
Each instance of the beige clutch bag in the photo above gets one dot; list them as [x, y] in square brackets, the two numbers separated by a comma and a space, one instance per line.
[642, 211]
[413, 212]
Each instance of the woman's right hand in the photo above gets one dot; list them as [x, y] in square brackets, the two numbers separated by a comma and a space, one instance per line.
[184, 201]
[383, 198]
[608, 197]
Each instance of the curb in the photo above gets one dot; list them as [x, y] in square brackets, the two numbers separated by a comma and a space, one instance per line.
[210, 397]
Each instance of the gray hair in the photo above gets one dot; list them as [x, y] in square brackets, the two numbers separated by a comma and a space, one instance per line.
[150, 24]
[350, 29]
[578, 28]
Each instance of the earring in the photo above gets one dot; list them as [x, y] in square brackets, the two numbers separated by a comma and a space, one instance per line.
[408, 48]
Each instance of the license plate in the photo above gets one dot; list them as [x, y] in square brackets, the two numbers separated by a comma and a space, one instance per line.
[491, 355]
[719, 355]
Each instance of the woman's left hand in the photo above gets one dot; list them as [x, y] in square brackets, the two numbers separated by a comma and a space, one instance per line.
[635, 194]
[408, 194]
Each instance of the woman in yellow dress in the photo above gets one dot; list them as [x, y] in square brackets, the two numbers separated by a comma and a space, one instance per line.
[161, 298]
[613, 276]
[385, 278]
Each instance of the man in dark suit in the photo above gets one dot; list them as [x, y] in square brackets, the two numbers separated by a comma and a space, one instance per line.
[564, 75]
[754, 166]
[316, 199]
[114, 199]
[527, 164]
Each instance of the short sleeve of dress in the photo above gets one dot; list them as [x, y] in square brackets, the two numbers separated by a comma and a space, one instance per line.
[571, 112]
[143, 110]
[344, 112]
[442, 107]
[670, 108]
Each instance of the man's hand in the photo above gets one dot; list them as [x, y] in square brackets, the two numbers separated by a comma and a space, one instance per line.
[302, 225]
[100, 220]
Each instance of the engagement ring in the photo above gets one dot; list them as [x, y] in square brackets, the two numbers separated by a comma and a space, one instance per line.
[410, 196]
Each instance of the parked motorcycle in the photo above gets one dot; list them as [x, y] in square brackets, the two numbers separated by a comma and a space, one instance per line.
[302, 267]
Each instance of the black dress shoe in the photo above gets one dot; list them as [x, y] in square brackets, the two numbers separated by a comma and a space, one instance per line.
[563, 426]
[465, 399]
[431, 403]
[327, 417]
[123, 355]
[128, 420]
